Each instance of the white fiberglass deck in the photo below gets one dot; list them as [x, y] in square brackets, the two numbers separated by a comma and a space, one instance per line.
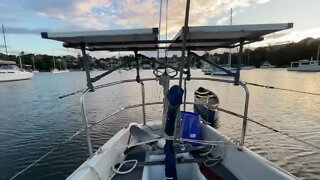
[234, 164]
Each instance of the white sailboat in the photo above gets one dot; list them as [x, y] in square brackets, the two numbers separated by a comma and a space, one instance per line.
[247, 67]
[266, 65]
[216, 71]
[57, 71]
[305, 66]
[34, 66]
[9, 71]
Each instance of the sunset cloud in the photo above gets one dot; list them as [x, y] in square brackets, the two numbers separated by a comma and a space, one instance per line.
[30, 17]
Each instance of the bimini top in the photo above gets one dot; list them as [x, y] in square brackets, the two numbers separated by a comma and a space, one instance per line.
[110, 40]
[227, 36]
[199, 37]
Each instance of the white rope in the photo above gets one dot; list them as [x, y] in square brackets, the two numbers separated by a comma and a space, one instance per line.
[117, 170]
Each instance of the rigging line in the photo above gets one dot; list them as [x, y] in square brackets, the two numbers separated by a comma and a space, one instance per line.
[268, 127]
[165, 51]
[56, 147]
[160, 17]
[283, 89]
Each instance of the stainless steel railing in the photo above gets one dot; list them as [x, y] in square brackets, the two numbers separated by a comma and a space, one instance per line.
[143, 104]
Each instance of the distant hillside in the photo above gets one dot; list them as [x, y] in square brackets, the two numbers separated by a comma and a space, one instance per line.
[279, 55]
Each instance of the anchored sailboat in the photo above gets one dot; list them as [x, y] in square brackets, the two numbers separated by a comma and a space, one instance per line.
[9, 71]
[57, 71]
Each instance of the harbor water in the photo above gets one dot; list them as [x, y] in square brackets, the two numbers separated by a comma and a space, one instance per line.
[33, 119]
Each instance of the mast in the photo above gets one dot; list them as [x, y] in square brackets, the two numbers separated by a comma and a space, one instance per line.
[34, 67]
[65, 64]
[20, 62]
[318, 52]
[184, 41]
[229, 58]
[4, 39]
[54, 63]
[231, 16]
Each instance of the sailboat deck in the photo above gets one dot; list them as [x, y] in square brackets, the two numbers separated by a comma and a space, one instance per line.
[142, 152]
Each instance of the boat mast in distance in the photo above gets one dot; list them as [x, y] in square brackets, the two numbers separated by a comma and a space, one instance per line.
[4, 39]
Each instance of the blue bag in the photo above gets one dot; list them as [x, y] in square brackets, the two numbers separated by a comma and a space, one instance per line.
[190, 126]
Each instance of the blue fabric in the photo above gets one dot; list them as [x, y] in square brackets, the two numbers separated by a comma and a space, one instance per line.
[174, 97]
[190, 126]
[170, 160]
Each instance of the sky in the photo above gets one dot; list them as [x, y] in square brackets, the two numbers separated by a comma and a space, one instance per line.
[23, 20]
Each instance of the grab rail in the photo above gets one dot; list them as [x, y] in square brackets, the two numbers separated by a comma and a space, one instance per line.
[87, 127]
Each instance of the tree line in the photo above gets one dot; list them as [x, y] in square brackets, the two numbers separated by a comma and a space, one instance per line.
[279, 55]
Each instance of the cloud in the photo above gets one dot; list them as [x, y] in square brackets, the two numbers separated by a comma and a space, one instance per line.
[262, 1]
[103, 14]
[80, 13]
[288, 36]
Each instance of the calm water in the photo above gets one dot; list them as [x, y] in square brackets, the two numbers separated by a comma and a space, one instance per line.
[33, 119]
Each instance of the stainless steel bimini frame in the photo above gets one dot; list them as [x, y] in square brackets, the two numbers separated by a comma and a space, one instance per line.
[143, 104]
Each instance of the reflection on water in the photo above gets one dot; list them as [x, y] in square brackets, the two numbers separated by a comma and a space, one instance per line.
[33, 119]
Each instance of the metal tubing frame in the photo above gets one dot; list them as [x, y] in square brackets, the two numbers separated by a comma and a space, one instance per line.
[213, 64]
[86, 66]
[185, 94]
[143, 102]
[87, 127]
[237, 76]
[161, 63]
[98, 77]
[245, 114]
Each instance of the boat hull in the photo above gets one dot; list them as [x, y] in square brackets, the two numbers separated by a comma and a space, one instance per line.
[208, 102]
[305, 69]
[16, 76]
[241, 164]
[208, 115]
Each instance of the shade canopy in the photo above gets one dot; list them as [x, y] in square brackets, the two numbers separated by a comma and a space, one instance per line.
[111, 40]
[200, 38]
[227, 36]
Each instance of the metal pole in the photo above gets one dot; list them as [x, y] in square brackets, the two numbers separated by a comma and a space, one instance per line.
[143, 102]
[184, 40]
[245, 114]
[4, 39]
[237, 78]
[160, 17]
[34, 67]
[20, 62]
[86, 66]
[231, 16]
[83, 108]
[318, 52]
[54, 63]
[185, 94]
